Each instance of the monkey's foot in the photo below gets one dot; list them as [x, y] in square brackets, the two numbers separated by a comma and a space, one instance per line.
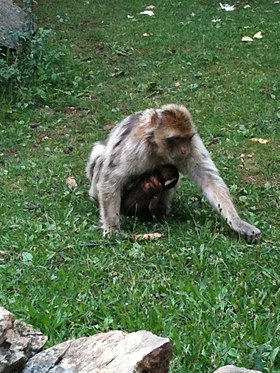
[108, 232]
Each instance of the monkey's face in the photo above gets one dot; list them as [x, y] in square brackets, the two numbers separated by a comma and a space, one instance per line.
[174, 134]
[174, 144]
[178, 147]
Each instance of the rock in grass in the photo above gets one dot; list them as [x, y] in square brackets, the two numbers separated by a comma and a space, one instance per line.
[14, 22]
[18, 342]
[234, 369]
[115, 351]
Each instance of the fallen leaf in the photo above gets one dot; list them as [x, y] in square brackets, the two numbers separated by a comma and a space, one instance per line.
[150, 7]
[108, 127]
[258, 35]
[118, 73]
[2, 252]
[31, 206]
[250, 180]
[247, 6]
[147, 13]
[247, 39]
[227, 7]
[145, 34]
[177, 84]
[147, 236]
[71, 182]
[260, 141]
[34, 125]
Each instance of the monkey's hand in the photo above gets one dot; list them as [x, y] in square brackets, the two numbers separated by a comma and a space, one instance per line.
[249, 232]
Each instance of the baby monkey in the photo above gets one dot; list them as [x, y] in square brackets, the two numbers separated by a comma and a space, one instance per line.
[141, 196]
[127, 169]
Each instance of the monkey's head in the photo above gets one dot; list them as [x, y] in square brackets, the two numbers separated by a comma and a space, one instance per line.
[173, 131]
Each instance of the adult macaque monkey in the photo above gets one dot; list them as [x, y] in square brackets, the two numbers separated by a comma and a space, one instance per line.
[138, 150]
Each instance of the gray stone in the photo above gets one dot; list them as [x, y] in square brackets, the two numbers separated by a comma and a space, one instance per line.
[13, 22]
[234, 369]
[116, 351]
[18, 342]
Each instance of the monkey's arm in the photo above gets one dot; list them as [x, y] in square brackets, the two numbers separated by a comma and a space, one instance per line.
[203, 171]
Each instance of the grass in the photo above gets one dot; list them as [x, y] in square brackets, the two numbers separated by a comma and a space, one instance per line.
[216, 297]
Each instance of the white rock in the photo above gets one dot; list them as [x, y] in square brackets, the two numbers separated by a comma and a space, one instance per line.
[116, 351]
[234, 369]
[18, 342]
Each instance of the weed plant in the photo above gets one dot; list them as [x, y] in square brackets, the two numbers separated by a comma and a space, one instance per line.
[215, 296]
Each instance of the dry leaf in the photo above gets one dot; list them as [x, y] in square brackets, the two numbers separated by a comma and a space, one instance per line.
[71, 182]
[147, 236]
[247, 6]
[250, 156]
[108, 127]
[177, 84]
[2, 252]
[246, 38]
[145, 34]
[147, 13]
[260, 141]
[227, 7]
[258, 35]
[150, 7]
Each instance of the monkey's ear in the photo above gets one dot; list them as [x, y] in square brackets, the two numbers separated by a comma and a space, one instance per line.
[177, 117]
[155, 120]
[150, 119]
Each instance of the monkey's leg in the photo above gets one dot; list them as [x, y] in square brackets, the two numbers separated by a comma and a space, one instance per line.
[161, 206]
[203, 171]
[93, 168]
[110, 204]
[96, 170]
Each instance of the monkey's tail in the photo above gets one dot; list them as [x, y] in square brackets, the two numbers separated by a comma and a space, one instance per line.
[97, 151]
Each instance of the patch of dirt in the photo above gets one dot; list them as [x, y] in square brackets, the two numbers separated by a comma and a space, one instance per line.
[259, 163]
[253, 173]
[260, 180]
[10, 153]
[47, 111]
[80, 112]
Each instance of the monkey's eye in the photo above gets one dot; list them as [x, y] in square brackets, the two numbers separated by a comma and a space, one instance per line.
[175, 141]
[172, 141]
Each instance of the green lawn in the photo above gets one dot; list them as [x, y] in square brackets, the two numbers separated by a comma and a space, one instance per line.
[215, 296]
